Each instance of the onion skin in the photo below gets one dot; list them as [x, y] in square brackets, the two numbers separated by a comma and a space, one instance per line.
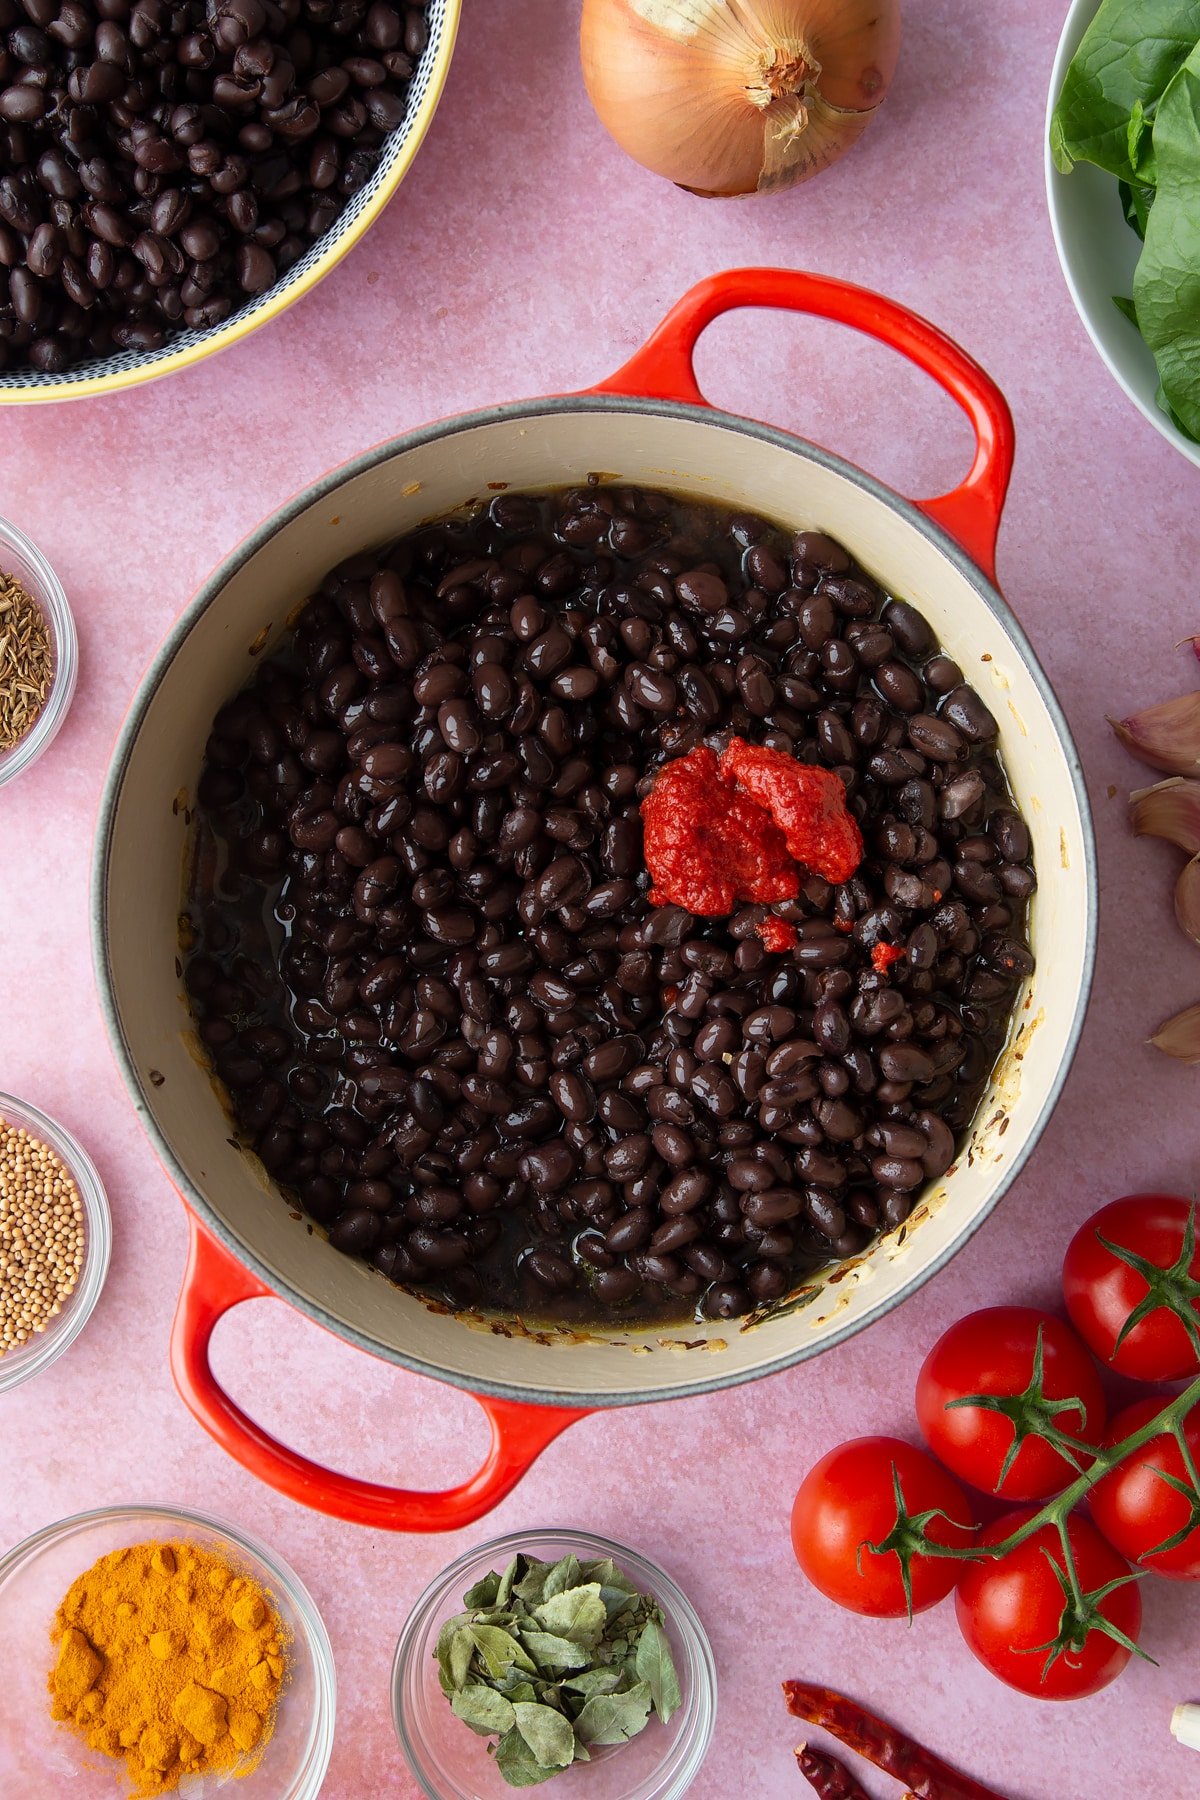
[727, 97]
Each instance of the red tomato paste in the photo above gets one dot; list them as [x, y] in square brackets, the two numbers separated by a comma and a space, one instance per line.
[777, 934]
[884, 955]
[709, 847]
[717, 833]
[809, 804]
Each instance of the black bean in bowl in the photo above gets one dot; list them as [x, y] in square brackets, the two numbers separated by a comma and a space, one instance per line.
[161, 164]
[426, 967]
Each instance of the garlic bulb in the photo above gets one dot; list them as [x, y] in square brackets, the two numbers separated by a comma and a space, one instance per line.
[738, 96]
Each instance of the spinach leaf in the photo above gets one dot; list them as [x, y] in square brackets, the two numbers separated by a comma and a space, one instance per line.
[1166, 283]
[1129, 55]
[1136, 201]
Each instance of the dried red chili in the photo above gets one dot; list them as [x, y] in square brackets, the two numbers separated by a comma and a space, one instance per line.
[717, 833]
[828, 1778]
[926, 1775]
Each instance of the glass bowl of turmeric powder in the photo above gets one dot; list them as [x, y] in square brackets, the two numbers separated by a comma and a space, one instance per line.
[191, 1661]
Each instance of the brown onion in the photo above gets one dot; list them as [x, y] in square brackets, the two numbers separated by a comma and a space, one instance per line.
[738, 96]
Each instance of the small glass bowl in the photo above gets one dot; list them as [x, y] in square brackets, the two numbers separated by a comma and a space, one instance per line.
[31, 1358]
[451, 1763]
[40, 1756]
[20, 558]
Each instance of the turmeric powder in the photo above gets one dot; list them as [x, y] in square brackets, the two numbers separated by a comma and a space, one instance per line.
[169, 1659]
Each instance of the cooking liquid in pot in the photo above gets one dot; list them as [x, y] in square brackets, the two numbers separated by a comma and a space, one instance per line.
[421, 954]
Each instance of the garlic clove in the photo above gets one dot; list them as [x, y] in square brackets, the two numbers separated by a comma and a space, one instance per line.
[1180, 1036]
[1185, 1725]
[1187, 900]
[1167, 736]
[1170, 810]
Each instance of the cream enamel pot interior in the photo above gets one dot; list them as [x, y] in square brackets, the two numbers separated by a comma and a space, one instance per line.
[648, 424]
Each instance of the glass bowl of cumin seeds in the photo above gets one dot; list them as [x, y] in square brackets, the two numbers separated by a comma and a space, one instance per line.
[39, 653]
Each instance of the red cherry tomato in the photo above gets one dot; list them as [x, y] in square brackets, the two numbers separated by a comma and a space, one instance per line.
[1102, 1290]
[994, 1352]
[1137, 1510]
[848, 1500]
[1010, 1611]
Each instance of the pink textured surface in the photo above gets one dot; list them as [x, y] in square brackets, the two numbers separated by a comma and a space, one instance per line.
[525, 254]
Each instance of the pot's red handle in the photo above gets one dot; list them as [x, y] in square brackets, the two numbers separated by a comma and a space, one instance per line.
[663, 370]
[213, 1282]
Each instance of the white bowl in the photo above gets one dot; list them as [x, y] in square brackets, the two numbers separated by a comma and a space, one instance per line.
[1098, 251]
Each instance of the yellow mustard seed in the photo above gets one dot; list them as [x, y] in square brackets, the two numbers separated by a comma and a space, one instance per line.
[42, 1236]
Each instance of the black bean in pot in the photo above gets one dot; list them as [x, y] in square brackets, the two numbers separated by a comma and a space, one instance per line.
[426, 963]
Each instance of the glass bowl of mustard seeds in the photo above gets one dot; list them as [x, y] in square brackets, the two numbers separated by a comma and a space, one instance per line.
[39, 653]
[55, 1241]
[42, 1756]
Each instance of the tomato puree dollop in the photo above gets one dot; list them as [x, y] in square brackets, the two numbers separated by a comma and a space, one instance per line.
[722, 831]
[884, 955]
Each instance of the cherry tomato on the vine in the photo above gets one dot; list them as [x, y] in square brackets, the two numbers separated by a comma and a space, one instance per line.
[996, 1353]
[1154, 1260]
[1017, 1616]
[1137, 1509]
[848, 1500]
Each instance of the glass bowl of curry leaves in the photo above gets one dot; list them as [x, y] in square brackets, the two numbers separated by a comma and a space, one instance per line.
[1122, 172]
[554, 1656]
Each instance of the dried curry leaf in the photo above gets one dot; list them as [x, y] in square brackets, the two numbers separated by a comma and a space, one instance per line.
[656, 1667]
[500, 1650]
[595, 1681]
[614, 1718]
[484, 1593]
[462, 1650]
[483, 1709]
[552, 1652]
[531, 1585]
[549, 1734]
[517, 1763]
[578, 1613]
[564, 1574]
